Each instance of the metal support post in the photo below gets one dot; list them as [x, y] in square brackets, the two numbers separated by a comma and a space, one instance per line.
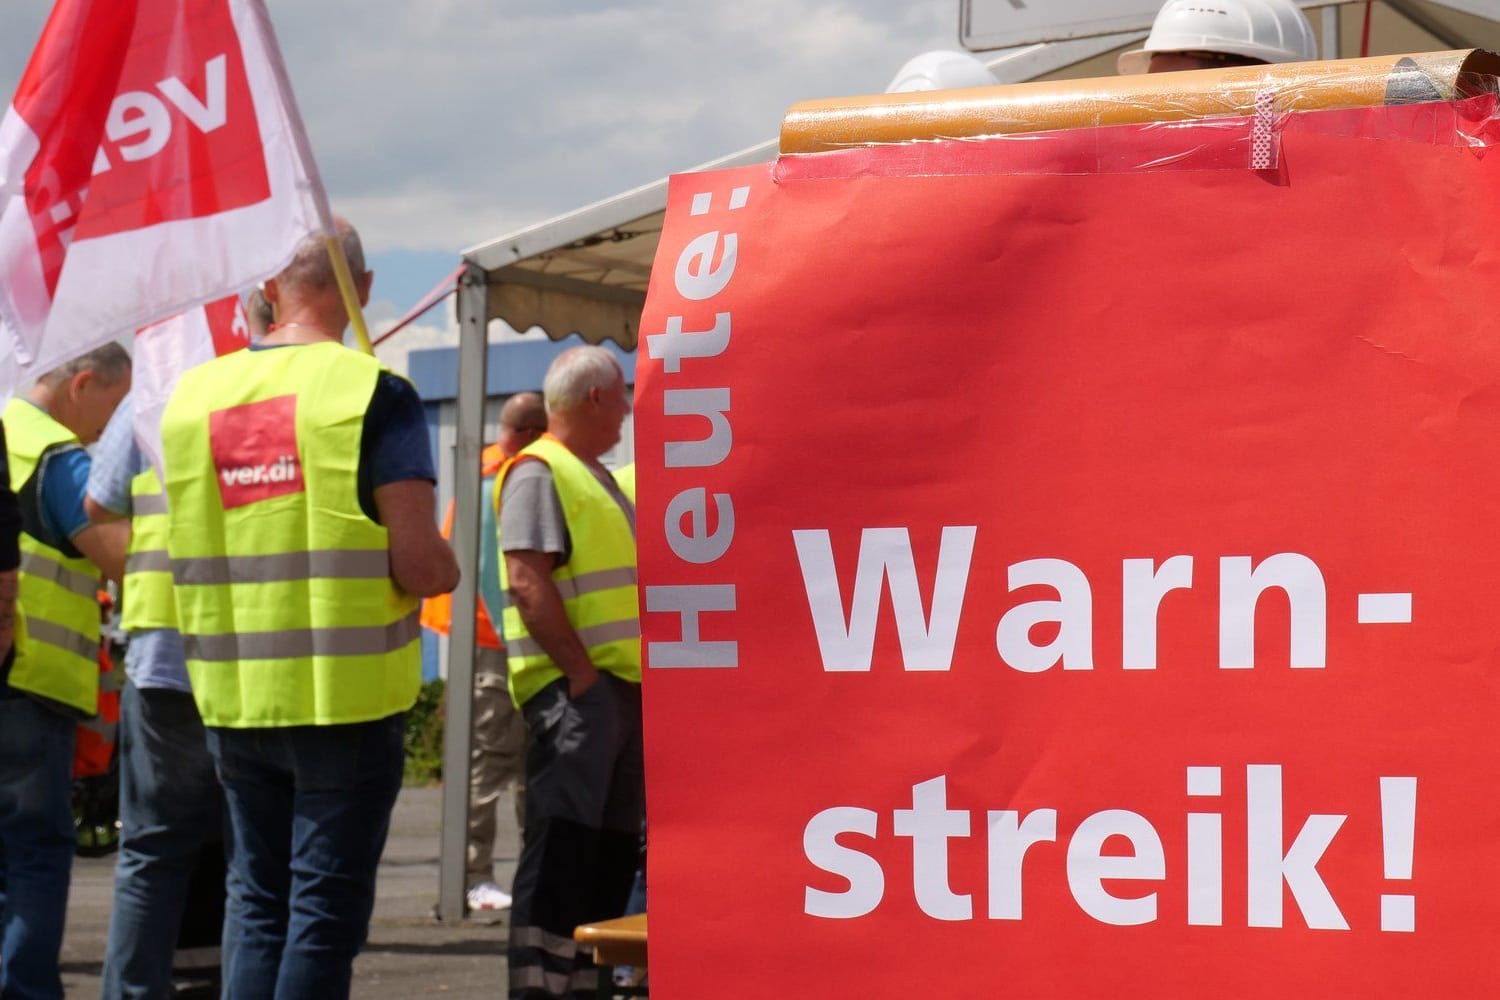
[458, 729]
[1332, 33]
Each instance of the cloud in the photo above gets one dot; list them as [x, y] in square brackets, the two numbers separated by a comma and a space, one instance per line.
[440, 125]
[446, 123]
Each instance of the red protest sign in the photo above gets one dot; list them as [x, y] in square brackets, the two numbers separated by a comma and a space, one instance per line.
[1076, 584]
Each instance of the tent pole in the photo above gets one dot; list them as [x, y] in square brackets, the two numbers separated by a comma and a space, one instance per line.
[1333, 44]
[458, 729]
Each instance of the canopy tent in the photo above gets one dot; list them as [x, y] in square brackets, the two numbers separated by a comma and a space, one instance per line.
[586, 273]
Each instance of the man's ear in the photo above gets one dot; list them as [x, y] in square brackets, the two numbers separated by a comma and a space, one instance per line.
[363, 284]
[271, 291]
[80, 382]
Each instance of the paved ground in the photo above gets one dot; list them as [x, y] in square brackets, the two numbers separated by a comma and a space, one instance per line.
[410, 954]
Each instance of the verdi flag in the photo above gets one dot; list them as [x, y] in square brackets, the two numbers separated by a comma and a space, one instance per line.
[151, 160]
[163, 351]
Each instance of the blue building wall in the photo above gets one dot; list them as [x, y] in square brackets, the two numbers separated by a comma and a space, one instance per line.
[514, 366]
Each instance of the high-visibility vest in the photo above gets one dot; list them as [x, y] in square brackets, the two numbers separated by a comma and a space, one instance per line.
[625, 476]
[59, 657]
[285, 601]
[597, 583]
[146, 591]
[437, 612]
[94, 740]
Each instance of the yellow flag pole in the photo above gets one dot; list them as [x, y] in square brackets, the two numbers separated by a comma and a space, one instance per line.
[257, 11]
[346, 290]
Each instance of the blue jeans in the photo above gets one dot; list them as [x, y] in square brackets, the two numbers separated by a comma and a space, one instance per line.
[309, 807]
[36, 846]
[170, 807]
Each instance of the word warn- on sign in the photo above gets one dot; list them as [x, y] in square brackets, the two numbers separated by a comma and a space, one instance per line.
[1078, 584]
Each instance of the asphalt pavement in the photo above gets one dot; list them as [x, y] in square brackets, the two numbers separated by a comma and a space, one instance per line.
[409, 953]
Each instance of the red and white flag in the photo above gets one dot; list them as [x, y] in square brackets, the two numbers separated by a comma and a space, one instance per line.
[152, 160]
[163, 351]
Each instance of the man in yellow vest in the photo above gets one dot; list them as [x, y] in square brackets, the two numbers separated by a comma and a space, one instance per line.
[567, 537]
[53, 679]
[302, 532]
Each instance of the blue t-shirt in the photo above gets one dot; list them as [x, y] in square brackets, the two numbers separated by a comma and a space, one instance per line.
[64, 477]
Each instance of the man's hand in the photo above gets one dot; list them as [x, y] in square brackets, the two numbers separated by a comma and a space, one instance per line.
[537, 600]
[580, 681]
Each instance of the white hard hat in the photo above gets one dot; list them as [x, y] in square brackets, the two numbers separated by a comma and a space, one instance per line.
[1272, 31]
[941, 69]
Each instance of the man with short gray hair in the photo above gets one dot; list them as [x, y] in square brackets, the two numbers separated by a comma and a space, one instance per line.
[572, 632]
[52, 681]
[302, 533]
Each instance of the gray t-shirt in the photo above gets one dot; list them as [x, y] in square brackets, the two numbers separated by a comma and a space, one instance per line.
[531, 515]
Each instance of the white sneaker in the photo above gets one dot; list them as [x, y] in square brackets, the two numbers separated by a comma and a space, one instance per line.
[488, 896]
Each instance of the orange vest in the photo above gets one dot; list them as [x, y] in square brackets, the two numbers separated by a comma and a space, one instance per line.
[94, 745]
[437, 612]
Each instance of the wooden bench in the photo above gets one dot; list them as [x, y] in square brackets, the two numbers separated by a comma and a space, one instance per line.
[621, 941]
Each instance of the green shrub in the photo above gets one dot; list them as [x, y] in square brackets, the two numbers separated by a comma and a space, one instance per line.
[424, 736]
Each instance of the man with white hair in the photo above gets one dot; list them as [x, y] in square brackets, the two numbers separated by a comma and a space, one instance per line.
[567, 536]
[1216, 34]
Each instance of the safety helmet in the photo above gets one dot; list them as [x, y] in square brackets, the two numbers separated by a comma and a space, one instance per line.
[941, 69]
[1273, 31]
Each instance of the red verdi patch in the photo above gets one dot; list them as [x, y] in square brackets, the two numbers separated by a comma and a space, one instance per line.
[255, 451]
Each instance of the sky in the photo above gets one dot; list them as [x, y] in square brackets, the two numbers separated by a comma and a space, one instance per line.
[445, 123]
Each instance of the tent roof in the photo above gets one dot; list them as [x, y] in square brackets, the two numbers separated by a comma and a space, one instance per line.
[586, 272]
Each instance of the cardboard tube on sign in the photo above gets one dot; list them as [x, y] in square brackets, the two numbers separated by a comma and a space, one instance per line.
[1045, 106]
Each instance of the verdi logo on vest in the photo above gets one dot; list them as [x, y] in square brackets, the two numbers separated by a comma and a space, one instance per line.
[255, 453]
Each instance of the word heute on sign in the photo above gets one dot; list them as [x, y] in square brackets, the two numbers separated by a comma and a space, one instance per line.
[703, 271]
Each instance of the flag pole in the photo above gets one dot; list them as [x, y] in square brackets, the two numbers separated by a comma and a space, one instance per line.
[346, 281]
[331, 239]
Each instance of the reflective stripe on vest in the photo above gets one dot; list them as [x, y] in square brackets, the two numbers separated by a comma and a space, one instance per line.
[597, 584]
[284, 598]
[58, 659]
[146, 592]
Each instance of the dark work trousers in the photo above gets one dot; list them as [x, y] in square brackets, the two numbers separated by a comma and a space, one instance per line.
[585, 798]
[171, 808]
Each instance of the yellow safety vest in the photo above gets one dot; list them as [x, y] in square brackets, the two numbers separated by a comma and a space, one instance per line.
[625, 476]
[285, 602]
[146, 591]
[58, 660]
[597, 583]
